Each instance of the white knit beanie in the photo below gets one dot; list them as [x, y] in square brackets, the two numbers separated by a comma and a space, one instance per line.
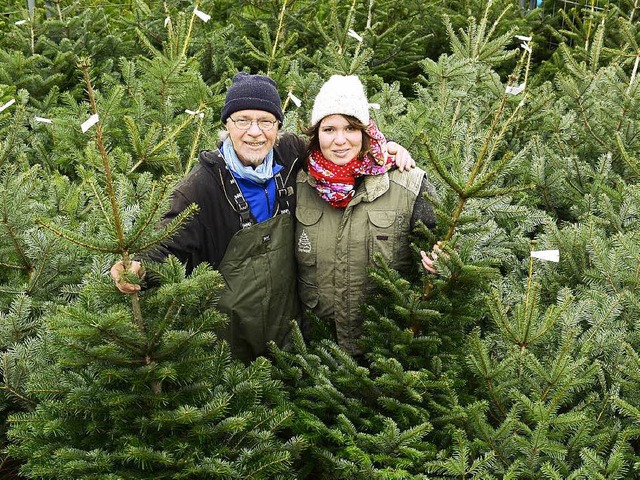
[341, 95]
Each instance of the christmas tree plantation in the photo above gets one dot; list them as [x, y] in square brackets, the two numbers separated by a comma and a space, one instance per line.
[503, 365]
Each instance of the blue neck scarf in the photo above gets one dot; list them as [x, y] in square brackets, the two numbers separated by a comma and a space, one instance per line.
[261, 174]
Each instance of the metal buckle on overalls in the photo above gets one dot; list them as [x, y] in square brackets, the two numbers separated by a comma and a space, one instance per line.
[245, 216]
[282, 194]
[282, 190]
[245, 219]
[241, 202]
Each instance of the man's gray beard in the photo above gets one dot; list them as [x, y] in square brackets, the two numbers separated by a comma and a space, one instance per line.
[254, 160]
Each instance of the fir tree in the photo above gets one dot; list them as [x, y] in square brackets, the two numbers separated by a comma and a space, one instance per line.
[491, 370]
[549, 378]
[139, 386]
[358, 422]
[36, 271]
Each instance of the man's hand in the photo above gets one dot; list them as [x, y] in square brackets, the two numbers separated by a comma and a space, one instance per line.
[116, 273]
[429, 259]
[403, 159]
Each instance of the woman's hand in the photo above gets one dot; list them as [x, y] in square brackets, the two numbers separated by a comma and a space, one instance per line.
[116, 273]
[403, 159]
[429, 259]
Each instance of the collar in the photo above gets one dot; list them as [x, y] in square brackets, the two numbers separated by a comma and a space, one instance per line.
[373, 187]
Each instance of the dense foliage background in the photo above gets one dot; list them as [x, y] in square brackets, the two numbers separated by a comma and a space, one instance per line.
[503, 366]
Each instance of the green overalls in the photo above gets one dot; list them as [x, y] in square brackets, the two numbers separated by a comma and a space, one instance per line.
[259, 270]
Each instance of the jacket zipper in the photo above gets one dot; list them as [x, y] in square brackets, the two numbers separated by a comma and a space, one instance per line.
[290, 170]
[266, 194]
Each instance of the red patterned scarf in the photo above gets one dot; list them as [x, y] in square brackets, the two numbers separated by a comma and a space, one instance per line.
[335, 183]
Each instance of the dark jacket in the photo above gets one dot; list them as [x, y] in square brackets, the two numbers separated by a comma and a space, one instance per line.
[206, 236]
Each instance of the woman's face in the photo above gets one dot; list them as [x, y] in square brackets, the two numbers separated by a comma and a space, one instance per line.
[339, 141]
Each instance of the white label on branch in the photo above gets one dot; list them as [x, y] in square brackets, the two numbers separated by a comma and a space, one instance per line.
[21, 22]
[166, 22]
[8, 104]
[201, 15]
[43, 120]
[352, 33]
[515, 90]
[294, 99]
[635, 70]
[548, 255]
[89, 122]
[196, 112]
[525, 47]
[523, 38]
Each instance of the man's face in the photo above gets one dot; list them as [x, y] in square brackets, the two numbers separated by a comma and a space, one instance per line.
[252, 145]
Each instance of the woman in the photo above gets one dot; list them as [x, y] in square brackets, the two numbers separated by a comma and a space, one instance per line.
[350, 206]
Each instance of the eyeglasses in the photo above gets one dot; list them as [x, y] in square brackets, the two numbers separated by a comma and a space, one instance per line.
[245, 124]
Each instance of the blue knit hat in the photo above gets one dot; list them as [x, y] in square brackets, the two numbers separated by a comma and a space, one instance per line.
[251, 92]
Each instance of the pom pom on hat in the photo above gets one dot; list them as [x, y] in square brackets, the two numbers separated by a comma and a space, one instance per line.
[252, 92]
[341, 95]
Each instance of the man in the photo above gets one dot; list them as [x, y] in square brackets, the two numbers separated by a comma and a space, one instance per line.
[244, 227]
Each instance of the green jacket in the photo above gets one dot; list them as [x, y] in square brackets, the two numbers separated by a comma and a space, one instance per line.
[334, 247]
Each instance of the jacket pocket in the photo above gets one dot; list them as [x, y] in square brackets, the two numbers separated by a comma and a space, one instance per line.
[306, 240]
[308, 293]
[382, 225]
[306, 247]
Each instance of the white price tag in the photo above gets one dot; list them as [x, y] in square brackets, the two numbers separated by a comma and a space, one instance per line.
[89, 122]
[515, 90]
[294, 99]
[196, 112]
[8, 104]
[548, 255]
[201, 15]
[352, 33]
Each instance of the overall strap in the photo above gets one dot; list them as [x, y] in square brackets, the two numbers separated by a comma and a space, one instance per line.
[242, 207]
[281, 194]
